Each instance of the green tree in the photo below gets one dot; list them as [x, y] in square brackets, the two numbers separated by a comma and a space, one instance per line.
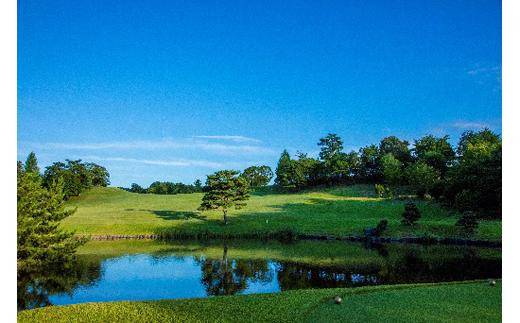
[283, 171]
[397, 147]
[31, 164]
[392, 170]
[370, 164]
[436, 152]
[99, 175]
[39, 212]
[258, 176]
[198, 185]
[331, 145]
[422, 177]
[474, 183]
[226, 189]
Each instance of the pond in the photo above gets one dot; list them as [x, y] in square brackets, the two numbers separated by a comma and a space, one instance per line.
[152, 270]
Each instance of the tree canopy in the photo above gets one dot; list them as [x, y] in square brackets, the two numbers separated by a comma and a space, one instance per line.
[225, 189]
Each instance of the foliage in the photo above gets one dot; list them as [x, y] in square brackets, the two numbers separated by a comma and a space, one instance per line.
[381, 227]
[392, 169]
[474, 183]
[31, 164]
[136, 188]
[421, 177]
[331, 146]
[77, 177]
[370, 164]
[397, 147]
[258, 176]
[468, 222]
[379, 190]
[39, 212]
[225, 190]
[411, 214]
[435, 152]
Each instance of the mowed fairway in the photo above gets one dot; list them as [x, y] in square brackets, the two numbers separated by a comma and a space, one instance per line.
[336, 211]
[448, 302]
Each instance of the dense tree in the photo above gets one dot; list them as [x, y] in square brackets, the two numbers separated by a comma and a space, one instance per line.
[474, 183]
[77, 176]
[392, 170]
[397, 147]
[370, 164]
[226, 189]
[99, 175]
[283, 171]
[136, 188]
[198, 185]
[31, 164]
[331, 145]
[258, 176]
[436, 152]
[39, 211]
[421, 177]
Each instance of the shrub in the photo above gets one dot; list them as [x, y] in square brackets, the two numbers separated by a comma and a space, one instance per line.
[411, 214]
[468, 222]
[379, 189]
[381, 227]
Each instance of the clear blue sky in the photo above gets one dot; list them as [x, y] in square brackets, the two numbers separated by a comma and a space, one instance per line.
[174, 90]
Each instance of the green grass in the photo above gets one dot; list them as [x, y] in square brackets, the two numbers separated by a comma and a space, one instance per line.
[336, 211]
[445, 302]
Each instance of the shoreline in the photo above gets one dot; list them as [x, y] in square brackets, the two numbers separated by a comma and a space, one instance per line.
[411, 240]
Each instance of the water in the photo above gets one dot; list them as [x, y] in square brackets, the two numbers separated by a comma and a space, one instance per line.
[147, 270]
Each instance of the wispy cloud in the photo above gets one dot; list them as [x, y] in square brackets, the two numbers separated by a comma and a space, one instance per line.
[173, 162]
[484, 70]
[231, 138]
[470, 125]
[186, 144]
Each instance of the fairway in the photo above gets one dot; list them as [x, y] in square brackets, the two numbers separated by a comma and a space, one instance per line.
[342, 211]
[476, 302]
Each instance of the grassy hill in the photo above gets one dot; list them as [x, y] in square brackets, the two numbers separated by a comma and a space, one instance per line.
[335, 211]
[475, 302]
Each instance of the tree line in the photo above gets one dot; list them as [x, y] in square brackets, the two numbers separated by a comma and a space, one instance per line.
[255, 176]
[467, 177]
[76, 175]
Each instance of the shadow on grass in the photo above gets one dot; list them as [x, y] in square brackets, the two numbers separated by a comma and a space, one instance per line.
[173, 215]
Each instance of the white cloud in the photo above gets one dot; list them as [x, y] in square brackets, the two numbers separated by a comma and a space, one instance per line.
[484, 70]
[187, 144]
[231, 138]
[173, 163]
[470, 125]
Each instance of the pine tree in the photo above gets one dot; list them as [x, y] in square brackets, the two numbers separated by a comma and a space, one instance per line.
[39, 211]
[225, 190]
[283, 171]
[31, 164]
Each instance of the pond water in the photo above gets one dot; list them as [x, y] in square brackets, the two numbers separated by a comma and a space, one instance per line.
[151, 270]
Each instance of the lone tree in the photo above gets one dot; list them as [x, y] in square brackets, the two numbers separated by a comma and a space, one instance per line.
[226, 189]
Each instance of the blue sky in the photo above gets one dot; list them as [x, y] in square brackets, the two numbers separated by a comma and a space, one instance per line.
[175, 90]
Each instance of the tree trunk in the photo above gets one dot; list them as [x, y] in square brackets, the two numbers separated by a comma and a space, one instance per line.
[225, 216]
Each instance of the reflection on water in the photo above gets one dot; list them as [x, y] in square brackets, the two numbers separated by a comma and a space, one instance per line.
[209, 270]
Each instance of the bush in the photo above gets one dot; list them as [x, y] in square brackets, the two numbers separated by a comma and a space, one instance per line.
[468, 222]
[381, 227]
[411, 214]
[379, 189]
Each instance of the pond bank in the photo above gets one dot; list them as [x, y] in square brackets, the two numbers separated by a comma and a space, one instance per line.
[477, 301]
[292, 236]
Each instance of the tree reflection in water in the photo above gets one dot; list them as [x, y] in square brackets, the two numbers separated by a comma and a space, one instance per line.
[228, 277]
[36, 284]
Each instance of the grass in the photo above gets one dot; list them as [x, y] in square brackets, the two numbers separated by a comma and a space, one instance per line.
[335, 211]
[445, 302]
